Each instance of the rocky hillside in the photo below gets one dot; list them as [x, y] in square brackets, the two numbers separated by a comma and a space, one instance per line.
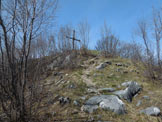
[102, 90]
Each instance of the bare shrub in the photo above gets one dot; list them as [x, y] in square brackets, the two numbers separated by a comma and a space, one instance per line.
[20, 21]
[148, 59]
[64, 43]
[108, 44]
[132, 51]
[84, 34]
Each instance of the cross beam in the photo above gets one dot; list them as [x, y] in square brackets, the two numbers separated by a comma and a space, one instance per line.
[73, 39]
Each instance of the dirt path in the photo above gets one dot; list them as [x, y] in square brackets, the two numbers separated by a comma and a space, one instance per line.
[86, 72]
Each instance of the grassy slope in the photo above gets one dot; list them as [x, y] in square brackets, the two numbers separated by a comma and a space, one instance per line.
[108, 77]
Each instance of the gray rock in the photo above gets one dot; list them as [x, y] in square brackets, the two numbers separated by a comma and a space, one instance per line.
[151, 111]
[146, 97]
[89, 108]
[129, 92]
[106, 102]
[106, 90]
[76, 103]
[114, 104]
[139, 103]
[83, 97]
[92, 90]
[126, 84]
[122, 94]
[64, 100]
[101, 66]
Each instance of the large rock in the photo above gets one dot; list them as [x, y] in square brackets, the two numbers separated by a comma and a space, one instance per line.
[129, 92]
[126, 84]
[151, 111]
[114, 104]
[106, 102]
[89, 108]
[106, 90]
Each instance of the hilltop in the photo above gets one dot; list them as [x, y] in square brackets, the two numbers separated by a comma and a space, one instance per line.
[69, 89]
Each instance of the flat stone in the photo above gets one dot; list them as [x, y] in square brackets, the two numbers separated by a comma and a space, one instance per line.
[92, 90]
[146, 97]
[106, 90]
[101, 66]
[139, 103]
[151, 111]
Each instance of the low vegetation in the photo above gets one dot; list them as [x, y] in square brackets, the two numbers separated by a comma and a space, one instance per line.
[46, 78]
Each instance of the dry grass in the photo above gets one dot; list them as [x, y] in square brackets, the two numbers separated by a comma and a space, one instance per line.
[108, 77]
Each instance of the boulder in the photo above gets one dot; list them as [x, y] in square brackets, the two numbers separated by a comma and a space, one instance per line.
[151, 111]
[101, 66]
[126, 84]
[129, 92]
[106, 90]
[114, 104]
[106, 102]
[89, 108]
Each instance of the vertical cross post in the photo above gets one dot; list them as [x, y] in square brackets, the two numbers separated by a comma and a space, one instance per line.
[73, 39]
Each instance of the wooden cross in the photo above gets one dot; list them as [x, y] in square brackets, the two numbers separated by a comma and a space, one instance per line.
[73, 39]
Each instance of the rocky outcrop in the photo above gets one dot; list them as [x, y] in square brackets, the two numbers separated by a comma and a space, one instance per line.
[128, 94]
[106, 102]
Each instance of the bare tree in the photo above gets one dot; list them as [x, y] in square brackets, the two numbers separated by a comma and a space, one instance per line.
[84, 33]
[108, 44]
[20, 21]
[132, 51]
[149, 62]
[64, 43]
[157, 25]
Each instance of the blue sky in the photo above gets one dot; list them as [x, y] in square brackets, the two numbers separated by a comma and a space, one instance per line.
[120, 15]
